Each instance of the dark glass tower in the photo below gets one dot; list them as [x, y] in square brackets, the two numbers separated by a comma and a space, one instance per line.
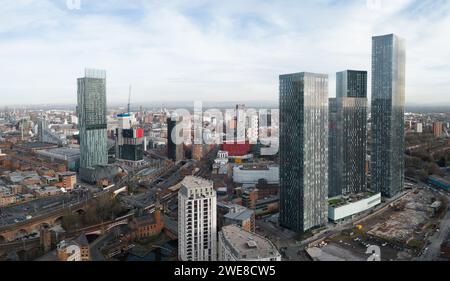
[334, 170]
[388, 108]
[175, 151]
[303, 150]
[348, 134]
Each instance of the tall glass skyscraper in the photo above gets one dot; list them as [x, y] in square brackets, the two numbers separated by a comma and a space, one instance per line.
[92, 120]
[303, 150]
[388, 108]
[334, 170]
[348, 134]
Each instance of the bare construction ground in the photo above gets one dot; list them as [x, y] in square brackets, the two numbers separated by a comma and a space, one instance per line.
[403, 219]
[401, 231]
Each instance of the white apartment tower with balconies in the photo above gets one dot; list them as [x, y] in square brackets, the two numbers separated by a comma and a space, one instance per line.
[197, 220]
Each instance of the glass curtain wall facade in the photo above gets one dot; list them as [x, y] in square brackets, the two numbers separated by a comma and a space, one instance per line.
[303, 150]
[388, 108]
[92, 119]
[334, 170]
[348, 134]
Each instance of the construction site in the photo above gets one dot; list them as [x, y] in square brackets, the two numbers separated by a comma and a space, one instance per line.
[400, 230]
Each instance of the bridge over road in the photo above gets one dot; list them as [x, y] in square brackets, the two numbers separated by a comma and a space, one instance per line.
[12, 232]
[51, 218]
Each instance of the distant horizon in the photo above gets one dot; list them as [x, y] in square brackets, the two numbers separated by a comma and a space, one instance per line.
[212, 50]
[435, 108]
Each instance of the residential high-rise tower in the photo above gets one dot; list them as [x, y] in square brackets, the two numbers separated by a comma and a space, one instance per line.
[387, 111]
[303, 150]
[197, 220]
[348, 134]
[91, 111]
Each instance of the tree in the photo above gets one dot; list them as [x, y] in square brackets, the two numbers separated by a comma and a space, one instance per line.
[70, 221]
[441, 162]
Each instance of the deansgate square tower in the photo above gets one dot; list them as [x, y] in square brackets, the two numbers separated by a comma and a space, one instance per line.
[303, 150]
[388, 109]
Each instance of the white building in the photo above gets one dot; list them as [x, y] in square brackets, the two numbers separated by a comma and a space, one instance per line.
[419, 128]
[74, 119]
[68, 251]
[240, 122]
[124, 121]
[222, 157]
[197, 220]
[253, 128]
[236, 244]
[251, 174]
[346, 208]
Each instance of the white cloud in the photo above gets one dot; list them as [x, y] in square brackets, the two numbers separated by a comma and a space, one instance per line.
[210, 50]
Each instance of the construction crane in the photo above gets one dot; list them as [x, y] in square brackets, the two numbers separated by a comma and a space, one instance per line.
[129, 100]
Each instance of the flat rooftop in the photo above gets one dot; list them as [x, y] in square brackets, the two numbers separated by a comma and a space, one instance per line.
[246, 245]
[255, 167]
[345, 200]
[63, 151]
[195, 182]
[239, 214]
[36, 145]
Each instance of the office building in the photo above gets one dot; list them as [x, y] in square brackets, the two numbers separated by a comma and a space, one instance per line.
[91, 111]
[250, 198]
[250, 174]
[197, 151]
[175, 151]
[197, 220]
[437, 129]
[387, 112]
[241, 118]
[130, 141]
[124, 120]
[242, 217]
[419, 128]
[68, 180]
[237, 244]
[253, 127]
[348, 134]
[303, 150]
[42, 125]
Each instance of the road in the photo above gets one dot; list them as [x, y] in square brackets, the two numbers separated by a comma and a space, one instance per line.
[433, 251]
[168, 179]
[434, 248]
[97, 244]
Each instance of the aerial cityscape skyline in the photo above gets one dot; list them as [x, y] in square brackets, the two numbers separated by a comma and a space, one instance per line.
[346, 158]
[225, 56]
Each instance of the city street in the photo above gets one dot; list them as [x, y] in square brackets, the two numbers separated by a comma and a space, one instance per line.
[433, 250]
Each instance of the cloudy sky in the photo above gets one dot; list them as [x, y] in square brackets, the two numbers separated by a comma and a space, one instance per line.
[211, 50]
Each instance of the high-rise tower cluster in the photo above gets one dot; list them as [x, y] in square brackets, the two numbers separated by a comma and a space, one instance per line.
[323, 142]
